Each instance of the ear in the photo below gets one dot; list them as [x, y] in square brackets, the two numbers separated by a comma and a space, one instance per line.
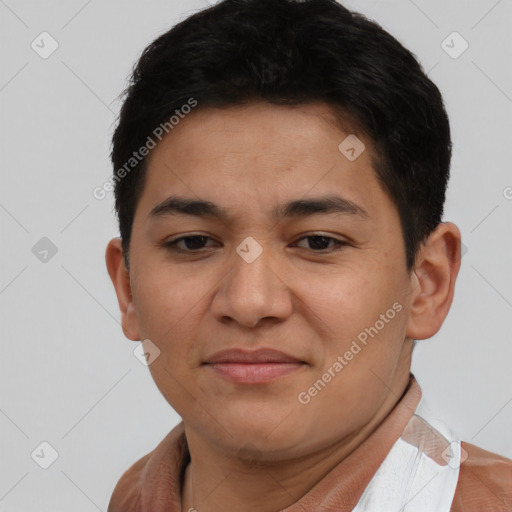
[433, 281]
[121, 280]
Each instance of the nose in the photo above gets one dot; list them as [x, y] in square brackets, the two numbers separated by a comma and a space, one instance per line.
[254, 289]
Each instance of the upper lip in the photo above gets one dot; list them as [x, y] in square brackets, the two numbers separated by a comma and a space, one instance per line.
[255, 356]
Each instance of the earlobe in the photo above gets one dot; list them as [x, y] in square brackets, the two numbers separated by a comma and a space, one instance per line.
[121, 280]
[433, 281]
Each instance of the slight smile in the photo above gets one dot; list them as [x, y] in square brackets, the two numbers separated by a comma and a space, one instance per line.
[256, 367]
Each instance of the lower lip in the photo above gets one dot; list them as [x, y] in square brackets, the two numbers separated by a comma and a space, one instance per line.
[254, 373]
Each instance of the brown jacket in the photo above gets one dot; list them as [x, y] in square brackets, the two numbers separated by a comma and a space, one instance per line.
[153, 483]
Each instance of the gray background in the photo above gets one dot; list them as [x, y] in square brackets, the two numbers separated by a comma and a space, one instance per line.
[68, 375]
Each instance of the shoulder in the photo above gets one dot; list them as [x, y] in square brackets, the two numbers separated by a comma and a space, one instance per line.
[126, 494]
[485, 482]
[154, 477]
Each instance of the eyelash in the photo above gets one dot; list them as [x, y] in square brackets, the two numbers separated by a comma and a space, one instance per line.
[172, 244]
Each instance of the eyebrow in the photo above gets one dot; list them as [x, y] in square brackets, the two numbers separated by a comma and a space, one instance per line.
[175, 205]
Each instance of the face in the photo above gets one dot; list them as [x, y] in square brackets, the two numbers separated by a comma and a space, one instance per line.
[323, 282]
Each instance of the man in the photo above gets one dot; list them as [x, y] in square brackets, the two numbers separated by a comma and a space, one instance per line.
[280, 170]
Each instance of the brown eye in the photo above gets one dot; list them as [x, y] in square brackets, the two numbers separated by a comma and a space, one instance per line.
[191, 243]
[321, 243]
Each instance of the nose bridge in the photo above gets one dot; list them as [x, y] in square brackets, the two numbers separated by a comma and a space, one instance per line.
[251, 262]
[251, 290]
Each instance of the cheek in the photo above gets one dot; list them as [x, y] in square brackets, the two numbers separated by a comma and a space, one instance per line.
[346, 303]
[169, 308]
[362, 320]
[168, 302]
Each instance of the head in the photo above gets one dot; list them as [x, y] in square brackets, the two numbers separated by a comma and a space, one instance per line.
[304, 155]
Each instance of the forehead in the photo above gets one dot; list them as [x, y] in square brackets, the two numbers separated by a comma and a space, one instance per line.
[286, 133]
[258, 156]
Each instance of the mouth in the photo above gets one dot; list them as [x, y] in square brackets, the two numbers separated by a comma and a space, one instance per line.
[256, 367]
[254, 373]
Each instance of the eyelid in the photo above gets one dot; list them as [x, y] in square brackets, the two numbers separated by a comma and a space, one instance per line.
[171, 243]
[320, 233]
[338, 243]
